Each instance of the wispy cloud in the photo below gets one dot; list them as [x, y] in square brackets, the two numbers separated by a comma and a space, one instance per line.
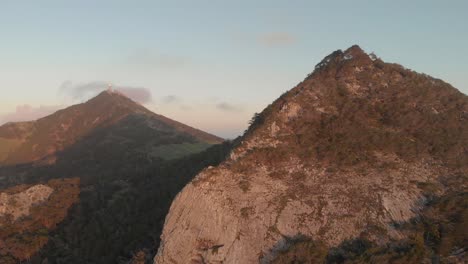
[227, 107]
[150, 59]
[137, 94]
[277, 39]
[27, 112]
[83, 91]
[169, 99]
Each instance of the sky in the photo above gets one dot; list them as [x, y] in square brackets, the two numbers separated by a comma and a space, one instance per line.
[209, 64]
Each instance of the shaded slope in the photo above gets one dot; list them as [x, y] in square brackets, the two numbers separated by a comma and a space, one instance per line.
[123, 210]
[123, 200]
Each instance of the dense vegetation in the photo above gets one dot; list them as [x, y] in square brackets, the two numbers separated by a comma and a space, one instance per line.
[122, 205]
[114, 220]
[378, 119]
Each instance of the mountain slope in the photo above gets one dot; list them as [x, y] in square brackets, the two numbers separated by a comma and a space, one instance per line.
[123, 209]
[357, 149]
[42, 139]
[74, 185]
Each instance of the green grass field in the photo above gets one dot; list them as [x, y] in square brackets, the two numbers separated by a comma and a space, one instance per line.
[174, 151]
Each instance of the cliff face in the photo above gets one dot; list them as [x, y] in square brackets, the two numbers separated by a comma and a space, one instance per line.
[352, 151]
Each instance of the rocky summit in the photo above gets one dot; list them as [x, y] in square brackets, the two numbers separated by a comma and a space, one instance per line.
[363, 160]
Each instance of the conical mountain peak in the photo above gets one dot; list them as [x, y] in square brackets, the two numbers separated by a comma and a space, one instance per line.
[109, 101]
[107, 110]
[110, 94]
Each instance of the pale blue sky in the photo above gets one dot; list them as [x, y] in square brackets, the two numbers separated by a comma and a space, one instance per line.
[212, 64]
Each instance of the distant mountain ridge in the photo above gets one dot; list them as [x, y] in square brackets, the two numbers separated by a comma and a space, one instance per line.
[73, 184]
[32, 141]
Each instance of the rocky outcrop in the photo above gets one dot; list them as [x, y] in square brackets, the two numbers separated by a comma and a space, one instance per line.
[349, 152]
[18, 204]
[29, 212]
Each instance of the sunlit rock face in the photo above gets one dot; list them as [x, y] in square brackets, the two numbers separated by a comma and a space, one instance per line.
[350, 151]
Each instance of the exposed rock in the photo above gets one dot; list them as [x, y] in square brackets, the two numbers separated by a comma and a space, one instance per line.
[342, 155]
[18, 205]
[28, 213]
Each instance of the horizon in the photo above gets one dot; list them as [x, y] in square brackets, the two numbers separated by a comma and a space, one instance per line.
[210, 66]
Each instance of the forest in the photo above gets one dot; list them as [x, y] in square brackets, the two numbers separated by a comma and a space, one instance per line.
[121, 207]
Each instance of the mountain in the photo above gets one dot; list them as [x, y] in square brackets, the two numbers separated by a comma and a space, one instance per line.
[362, 162]
[40, 140]
[92, 183]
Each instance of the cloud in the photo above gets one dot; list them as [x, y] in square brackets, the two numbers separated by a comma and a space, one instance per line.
[277, 39]
[174, 100]
[227, 107]
[169, 99]
[150, 59]
[79, 92]
[137, 94]
[28, 113]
